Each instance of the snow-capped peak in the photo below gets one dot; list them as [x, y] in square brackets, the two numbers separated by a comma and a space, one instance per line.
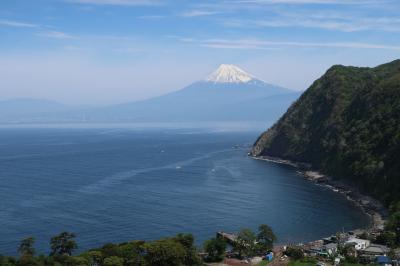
[229, 74]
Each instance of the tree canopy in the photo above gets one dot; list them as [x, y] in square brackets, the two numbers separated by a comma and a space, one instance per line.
[26, 247]
[215, 248]
[245, 243]
[63, 244]
[265, 238]
[347, 126]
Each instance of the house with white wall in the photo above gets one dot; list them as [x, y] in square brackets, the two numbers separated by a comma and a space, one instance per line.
[357, 243]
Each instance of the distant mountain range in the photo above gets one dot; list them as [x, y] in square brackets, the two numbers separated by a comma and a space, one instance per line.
[228, 94]
[347, 124]
[26, 109]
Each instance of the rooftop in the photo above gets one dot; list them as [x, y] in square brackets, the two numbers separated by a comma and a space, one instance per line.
[374, 248]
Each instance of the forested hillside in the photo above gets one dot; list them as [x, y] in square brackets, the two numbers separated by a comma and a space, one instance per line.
[347, 125]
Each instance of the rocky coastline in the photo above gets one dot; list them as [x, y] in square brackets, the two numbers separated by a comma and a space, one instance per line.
[370, 206]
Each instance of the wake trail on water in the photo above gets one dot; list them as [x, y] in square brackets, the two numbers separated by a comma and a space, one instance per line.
[112, 180]
[117, 178]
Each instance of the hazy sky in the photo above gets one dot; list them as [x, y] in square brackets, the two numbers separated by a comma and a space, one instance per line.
[111, 51]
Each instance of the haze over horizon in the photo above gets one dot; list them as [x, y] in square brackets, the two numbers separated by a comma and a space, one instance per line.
[113, 51]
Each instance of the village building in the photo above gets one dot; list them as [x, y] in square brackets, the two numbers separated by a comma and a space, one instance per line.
[357, 243]
[371, 253]
[376, 250]
[331, 248]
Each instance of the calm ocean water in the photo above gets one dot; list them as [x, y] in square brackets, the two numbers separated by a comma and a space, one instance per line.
[112, 185]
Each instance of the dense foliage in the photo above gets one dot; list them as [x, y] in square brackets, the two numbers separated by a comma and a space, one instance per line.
[215, 248]
[347, 124]
[178, 250]
[249, 244]
[174, 251]
[391, 235]
[265, 238]
[295, 253]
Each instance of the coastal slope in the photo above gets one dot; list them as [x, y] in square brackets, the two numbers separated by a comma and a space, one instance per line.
[346, 125]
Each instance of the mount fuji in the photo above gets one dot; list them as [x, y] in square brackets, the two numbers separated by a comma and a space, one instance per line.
[227, 94]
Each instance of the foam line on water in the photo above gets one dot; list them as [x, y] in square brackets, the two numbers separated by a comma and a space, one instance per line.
[121, 176]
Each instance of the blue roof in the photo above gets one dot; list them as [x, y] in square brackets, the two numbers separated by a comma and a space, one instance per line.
[383, 259]
[269, 256]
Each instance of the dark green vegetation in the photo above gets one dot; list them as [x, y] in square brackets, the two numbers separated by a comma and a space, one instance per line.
[391, 235]
[303, 262]
[178, 250]
[249, 244]
[347, 125]
[295, 253]
[215, 248]
[62, 244]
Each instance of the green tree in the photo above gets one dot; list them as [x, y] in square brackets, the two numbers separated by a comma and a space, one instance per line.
[75, 261]
[27, 260]
[131, 252]
[164, 252]
[387, 238]
[395, 207]
[95, 257]
[27, 251]
[350, 253]
[191, 256]
[186, 240]
[26, 247]
[245, 243]
[110, 250]
[113, 261]
[63, 244]
[294, 253]
[7, 261]
[215, 248]
[265, 238]
[393, 225]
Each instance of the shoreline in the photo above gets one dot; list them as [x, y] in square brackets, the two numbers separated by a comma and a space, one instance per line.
[370, 206]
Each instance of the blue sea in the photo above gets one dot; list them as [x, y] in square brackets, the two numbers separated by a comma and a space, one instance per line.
[118, 183]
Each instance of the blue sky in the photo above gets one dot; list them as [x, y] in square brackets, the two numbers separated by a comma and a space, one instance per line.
[111, 51]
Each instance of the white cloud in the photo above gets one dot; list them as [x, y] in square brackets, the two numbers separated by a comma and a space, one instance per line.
[362, 15]
[151, 17]
[199, 13]
[265, 44]
[56, 35]
[117, 2]
[12, 23]
[346, 22]
[320, 2]
[129, 50]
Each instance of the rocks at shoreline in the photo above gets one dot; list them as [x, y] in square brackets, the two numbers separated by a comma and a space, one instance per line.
[369, 205]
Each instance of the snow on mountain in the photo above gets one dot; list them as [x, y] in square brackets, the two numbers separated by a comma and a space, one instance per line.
[229, 74]
[228, 94]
